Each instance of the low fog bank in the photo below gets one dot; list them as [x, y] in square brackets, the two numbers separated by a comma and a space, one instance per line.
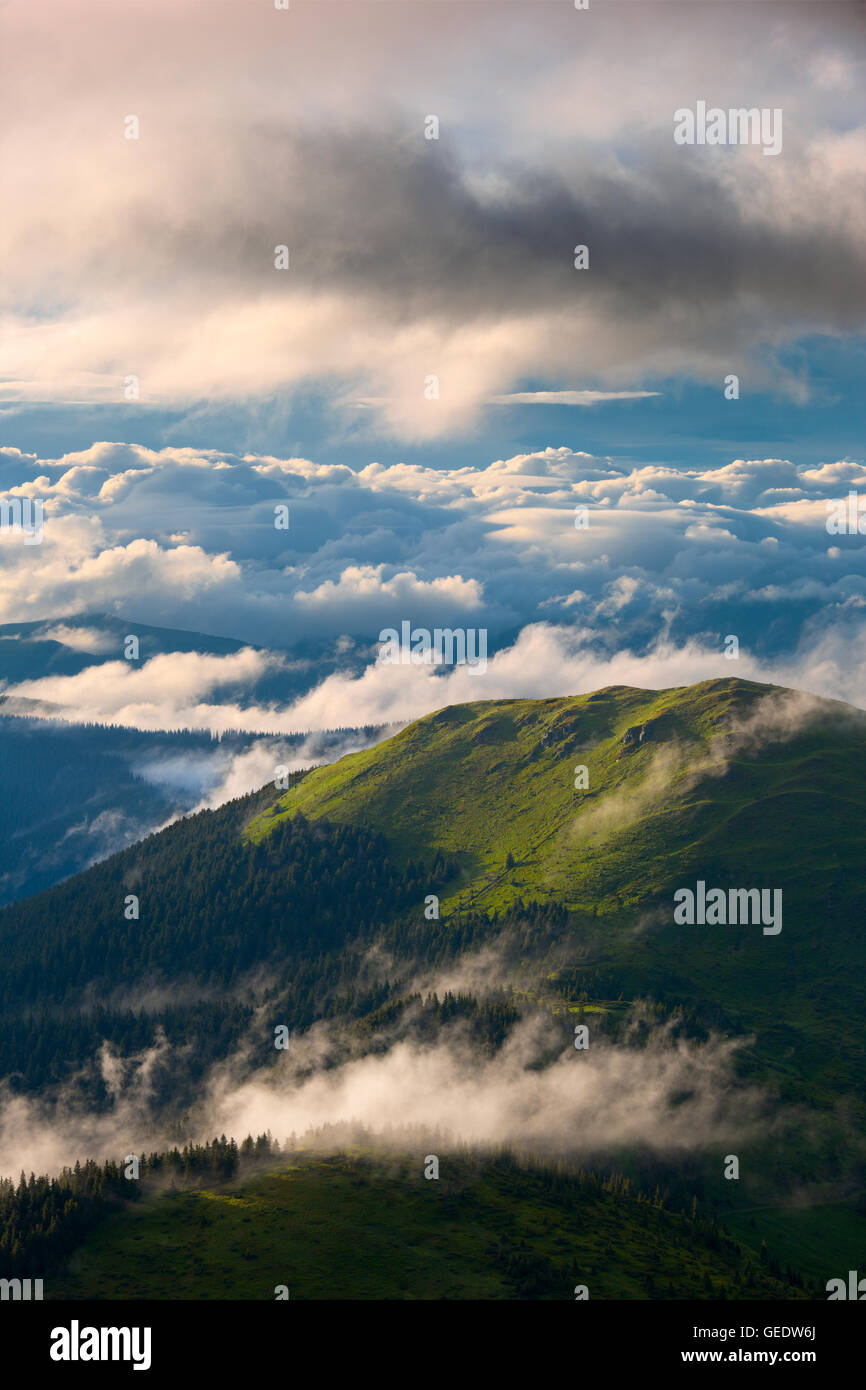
[537, 1093]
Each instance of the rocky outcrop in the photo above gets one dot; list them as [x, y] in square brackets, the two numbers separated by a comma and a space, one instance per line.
[635, 736]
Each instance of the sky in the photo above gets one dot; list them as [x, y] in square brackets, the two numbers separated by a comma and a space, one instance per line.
[240, 274]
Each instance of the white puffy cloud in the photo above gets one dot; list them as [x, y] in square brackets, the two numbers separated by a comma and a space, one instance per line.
[168, 691]
[364, 589]
[669, 561]
[547, 661]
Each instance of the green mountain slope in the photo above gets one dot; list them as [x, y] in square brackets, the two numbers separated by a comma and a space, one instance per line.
[480, 780]
[309, 906]
[350, 1228]
[733, 783]
[180, 934]
[727, 782]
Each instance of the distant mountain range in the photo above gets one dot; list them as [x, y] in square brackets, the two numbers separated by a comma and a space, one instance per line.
[75, 792]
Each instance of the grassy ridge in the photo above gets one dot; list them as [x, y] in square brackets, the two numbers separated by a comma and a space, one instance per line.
[695, 799]
[482, 779]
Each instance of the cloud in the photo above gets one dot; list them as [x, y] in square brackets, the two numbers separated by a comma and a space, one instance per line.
[640, 572]
[225, 773]
[569, 397]
[623, 1097]
[358, 585]
[547, 661]
[78, 639]
[167, 692]
[410, 257]
[670, 1097]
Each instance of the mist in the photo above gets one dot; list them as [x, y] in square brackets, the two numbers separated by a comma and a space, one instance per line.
[668, 1096]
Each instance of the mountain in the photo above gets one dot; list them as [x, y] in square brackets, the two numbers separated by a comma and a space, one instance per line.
[72, 792]
[34, 650]
[730, 782]
[189, 916]
[66, 647]
[75, 792]
[314, 908]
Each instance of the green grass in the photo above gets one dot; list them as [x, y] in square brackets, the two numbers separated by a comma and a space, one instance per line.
[350, 1228]
[480, 780]
[483, 780]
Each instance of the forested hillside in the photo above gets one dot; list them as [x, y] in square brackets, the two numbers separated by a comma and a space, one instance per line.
[492, 1226]
[212, 910]
[462, 853]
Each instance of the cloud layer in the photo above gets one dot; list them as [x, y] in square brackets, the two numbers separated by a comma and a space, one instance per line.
[412, 257]
[584, 571]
